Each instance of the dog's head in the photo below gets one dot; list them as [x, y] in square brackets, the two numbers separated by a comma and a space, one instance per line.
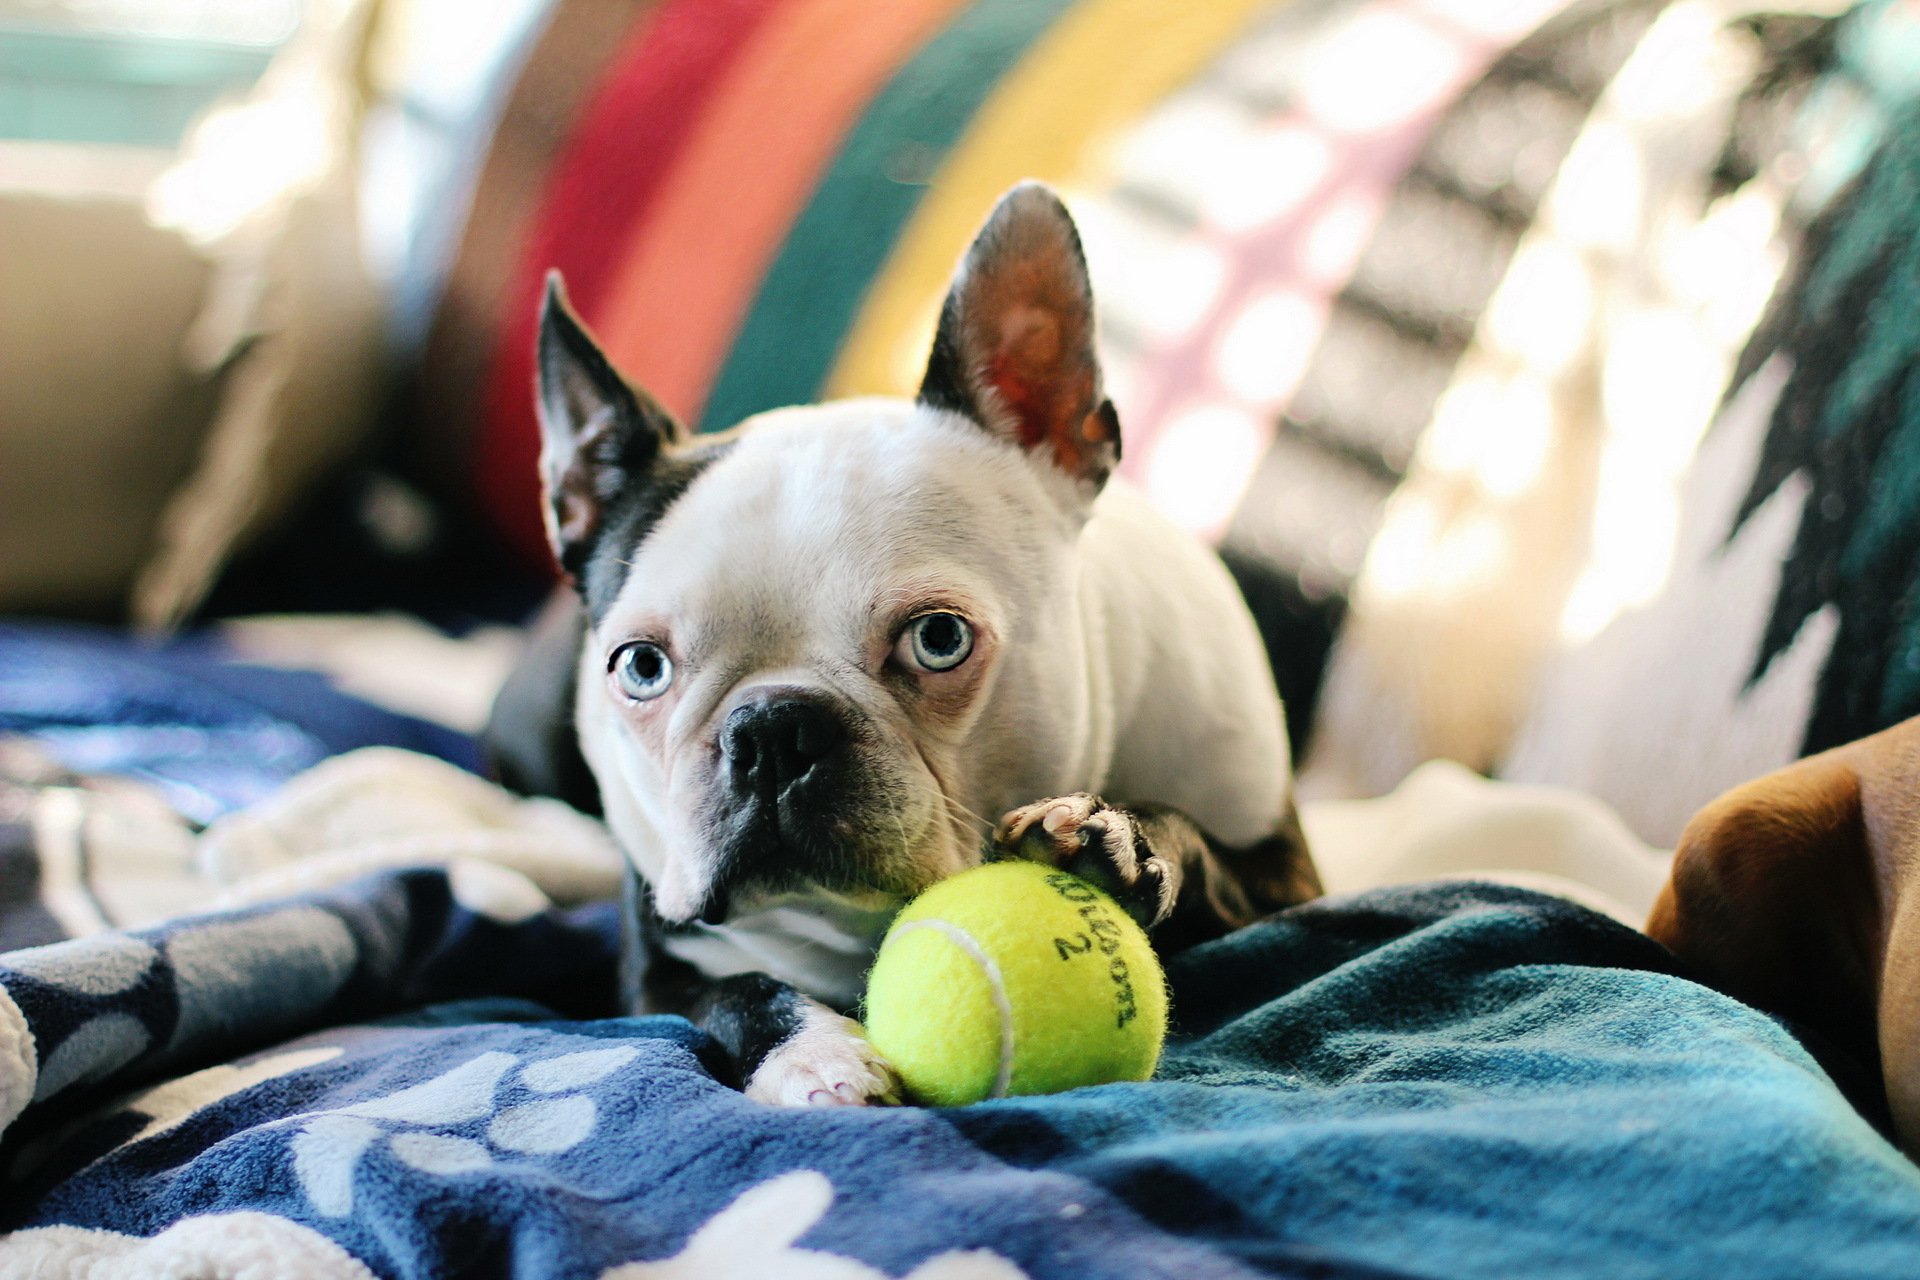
[828, 647]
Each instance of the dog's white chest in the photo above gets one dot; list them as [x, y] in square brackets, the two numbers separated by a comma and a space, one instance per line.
[820, 944]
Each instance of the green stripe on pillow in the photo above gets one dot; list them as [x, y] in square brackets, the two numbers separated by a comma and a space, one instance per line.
[810, 297]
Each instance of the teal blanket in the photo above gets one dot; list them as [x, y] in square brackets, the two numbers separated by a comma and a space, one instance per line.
[1445, 1080]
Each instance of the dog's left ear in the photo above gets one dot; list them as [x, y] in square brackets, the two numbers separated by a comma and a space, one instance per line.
[1015, 349]
[598, 433]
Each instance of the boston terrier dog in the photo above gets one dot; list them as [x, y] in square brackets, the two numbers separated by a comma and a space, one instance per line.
[813, 664]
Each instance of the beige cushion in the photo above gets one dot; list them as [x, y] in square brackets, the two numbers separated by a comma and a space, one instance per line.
[100, 419]
[188, 343]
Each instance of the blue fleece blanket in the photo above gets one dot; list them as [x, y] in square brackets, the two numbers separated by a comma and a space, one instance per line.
[399, 1077]
[1442, 1080]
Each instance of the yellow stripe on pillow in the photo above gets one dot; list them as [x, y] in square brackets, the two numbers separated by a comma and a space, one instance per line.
[1099, 69]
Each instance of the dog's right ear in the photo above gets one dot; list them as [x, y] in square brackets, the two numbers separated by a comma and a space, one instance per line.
[598, 433]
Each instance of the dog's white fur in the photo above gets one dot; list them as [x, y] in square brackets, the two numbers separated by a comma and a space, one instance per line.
[826, 1063]
[1124, 661]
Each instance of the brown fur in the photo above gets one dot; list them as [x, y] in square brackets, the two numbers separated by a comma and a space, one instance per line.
[1796, 893]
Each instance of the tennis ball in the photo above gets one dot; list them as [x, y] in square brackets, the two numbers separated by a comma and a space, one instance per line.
[1015, 978]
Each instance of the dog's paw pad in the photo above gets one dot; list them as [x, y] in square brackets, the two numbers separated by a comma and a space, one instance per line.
[826, 1063]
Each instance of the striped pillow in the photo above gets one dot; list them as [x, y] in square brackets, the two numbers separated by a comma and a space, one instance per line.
[758, 202]
[1418, 308]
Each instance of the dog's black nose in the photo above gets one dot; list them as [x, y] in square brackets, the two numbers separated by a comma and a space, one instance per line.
[772, 744]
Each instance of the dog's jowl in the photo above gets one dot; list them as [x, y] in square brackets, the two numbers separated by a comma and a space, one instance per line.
[817, 662]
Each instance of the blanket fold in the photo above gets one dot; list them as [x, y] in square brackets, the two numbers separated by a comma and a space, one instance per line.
[1449, 1079]
[101, 1013]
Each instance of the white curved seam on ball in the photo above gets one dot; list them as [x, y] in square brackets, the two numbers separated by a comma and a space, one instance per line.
[996, 988]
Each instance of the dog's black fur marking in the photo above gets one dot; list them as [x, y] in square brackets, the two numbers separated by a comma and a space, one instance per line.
[747, 1016]
[1223, 888]
[1110, 420]
[944, 385]
[614, 459]
[531, 744]
[631, 516]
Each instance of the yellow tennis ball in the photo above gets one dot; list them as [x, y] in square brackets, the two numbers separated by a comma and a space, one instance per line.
[1015, 978]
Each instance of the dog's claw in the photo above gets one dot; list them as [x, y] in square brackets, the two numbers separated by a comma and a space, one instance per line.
[1083, 834]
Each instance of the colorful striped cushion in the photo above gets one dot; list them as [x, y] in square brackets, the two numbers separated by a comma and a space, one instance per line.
[758, 202]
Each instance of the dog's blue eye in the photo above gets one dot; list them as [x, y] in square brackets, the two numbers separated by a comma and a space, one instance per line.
[936, 642]
[642, 670]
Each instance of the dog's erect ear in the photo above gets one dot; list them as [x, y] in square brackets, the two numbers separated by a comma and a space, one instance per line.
[1014, 351]
[598, 433]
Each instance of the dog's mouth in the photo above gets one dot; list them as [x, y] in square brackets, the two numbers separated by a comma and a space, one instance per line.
[730, 896]
[809, 796]
[759, 851]
[768, 846]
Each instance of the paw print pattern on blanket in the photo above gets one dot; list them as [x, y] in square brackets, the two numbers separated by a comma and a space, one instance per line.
[548, 1117]
[755, 1235]
[164, 1106]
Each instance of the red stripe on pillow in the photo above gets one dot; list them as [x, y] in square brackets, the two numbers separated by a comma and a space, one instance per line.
[687, 276]
[610, 173]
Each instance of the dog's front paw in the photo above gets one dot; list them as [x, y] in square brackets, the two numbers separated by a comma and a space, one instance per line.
[1083, 834]
[826, 1063]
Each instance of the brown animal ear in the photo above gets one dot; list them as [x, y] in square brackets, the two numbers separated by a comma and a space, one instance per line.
[1015, 349]
[598, 433]
[1772, 898]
